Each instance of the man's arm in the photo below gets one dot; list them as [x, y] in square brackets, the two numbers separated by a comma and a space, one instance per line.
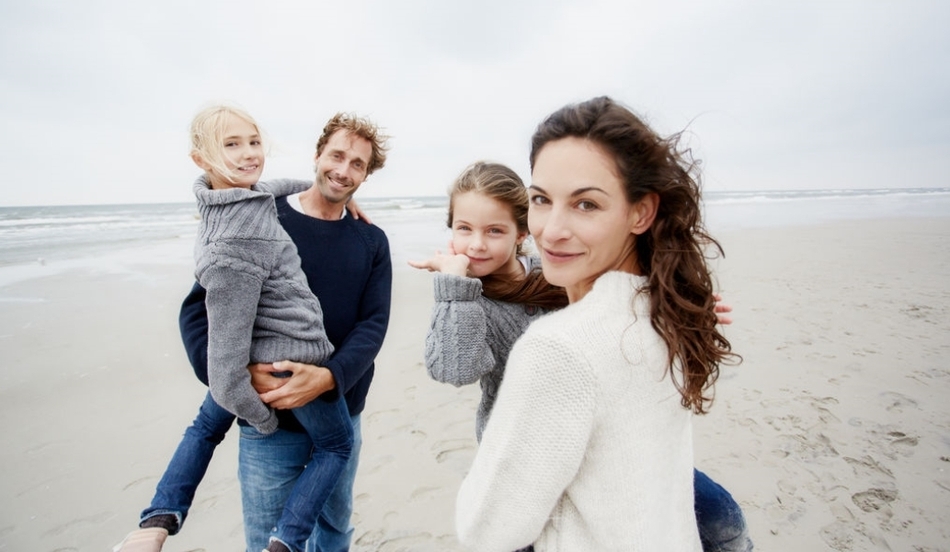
[193, 324]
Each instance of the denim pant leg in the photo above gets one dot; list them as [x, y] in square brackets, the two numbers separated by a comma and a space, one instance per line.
[331, 431]
[268, 467]
[176, 489]
[721, 524]
[334, 532]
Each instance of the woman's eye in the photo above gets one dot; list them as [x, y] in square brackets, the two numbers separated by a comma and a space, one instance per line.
[587, 205]
[538, 200]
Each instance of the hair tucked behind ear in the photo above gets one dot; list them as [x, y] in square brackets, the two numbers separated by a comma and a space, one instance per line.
[672, 253]
[504, 185]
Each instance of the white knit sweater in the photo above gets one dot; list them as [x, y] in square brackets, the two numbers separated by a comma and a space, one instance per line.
[588, 448]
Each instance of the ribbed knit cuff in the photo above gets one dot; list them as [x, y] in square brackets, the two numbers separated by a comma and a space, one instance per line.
[449, 287]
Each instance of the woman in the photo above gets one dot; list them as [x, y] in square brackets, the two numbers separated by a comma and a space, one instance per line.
[589, 445]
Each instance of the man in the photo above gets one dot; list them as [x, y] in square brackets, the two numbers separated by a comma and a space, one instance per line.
[348, 267]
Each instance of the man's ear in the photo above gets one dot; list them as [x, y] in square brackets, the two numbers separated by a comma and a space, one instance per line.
[644, 213]
[196, 157]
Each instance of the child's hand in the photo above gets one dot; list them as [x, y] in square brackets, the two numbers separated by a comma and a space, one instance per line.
[354, 208]
[450, 263]
[721, 309]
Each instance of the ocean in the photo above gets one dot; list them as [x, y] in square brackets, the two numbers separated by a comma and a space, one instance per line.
[78, 235]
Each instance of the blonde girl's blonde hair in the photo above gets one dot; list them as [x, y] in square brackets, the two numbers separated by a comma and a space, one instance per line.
[502, 184]
[207, 135]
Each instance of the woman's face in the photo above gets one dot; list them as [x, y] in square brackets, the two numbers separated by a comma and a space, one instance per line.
[485, 231]
[579, 215]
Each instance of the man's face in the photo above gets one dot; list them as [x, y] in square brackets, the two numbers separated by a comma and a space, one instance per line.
[341, 167]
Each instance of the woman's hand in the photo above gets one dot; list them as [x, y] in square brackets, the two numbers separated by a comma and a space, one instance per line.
[722, 309]
[305, 383]
[450, 263]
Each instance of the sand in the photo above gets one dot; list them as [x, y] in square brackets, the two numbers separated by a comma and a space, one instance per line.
[833, 434]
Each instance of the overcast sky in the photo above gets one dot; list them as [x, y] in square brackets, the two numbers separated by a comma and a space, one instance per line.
[96, 96]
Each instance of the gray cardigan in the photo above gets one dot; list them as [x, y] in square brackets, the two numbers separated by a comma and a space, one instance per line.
[260, 307]
[471, 336]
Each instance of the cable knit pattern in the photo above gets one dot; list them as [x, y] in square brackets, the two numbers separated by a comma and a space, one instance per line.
[588, 448]
[471, 336]
[260, 307]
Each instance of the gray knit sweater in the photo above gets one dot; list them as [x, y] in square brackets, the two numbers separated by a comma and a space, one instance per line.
[260, 307]
[471, 336]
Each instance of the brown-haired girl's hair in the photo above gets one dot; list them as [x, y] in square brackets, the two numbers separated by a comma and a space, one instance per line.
[672, 252]
[502, 184]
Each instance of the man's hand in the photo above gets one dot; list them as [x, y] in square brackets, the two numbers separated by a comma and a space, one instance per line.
[306, 383]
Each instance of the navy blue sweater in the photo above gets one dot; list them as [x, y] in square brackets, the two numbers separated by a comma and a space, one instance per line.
[349, 269]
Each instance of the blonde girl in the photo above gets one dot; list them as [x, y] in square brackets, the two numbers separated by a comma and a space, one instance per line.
[260, 310]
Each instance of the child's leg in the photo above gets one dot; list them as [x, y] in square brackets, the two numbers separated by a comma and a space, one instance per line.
[176, 490]
[721, 524]
[334, 530]
[331, 430]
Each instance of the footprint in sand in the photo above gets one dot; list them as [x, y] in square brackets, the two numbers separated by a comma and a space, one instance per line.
[896, 401]
[873, 500]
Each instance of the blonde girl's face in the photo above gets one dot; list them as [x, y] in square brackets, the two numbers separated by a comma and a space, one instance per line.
[484, 230]
[243, 154]
[579, 215]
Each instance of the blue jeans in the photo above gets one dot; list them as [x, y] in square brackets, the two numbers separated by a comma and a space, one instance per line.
[721, 524]
[176, 489]
[268, 469]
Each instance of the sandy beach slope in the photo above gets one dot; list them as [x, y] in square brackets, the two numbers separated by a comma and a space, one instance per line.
[834, 434]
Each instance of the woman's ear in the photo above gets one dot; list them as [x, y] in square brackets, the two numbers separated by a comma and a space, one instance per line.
[643, 213]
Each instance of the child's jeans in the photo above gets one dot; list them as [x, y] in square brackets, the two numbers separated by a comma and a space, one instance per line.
[331, 431]
[721, 524]
[176, 490]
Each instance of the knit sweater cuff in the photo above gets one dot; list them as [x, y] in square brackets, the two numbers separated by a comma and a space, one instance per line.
[449, 287]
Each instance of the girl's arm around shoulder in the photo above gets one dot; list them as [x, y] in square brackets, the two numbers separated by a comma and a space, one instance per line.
[283, 186]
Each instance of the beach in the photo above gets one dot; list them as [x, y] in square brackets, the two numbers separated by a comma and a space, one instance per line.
[833, 433]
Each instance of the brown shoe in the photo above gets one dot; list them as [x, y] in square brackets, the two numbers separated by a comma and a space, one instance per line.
[149, 539]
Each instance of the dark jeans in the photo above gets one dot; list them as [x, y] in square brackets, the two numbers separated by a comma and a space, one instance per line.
[721, 523]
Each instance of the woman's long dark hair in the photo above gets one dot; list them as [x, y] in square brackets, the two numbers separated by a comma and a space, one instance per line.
[672, 252]
[502, 184]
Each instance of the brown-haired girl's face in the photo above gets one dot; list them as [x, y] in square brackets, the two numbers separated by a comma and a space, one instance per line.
[485, 231]
[579, 215]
